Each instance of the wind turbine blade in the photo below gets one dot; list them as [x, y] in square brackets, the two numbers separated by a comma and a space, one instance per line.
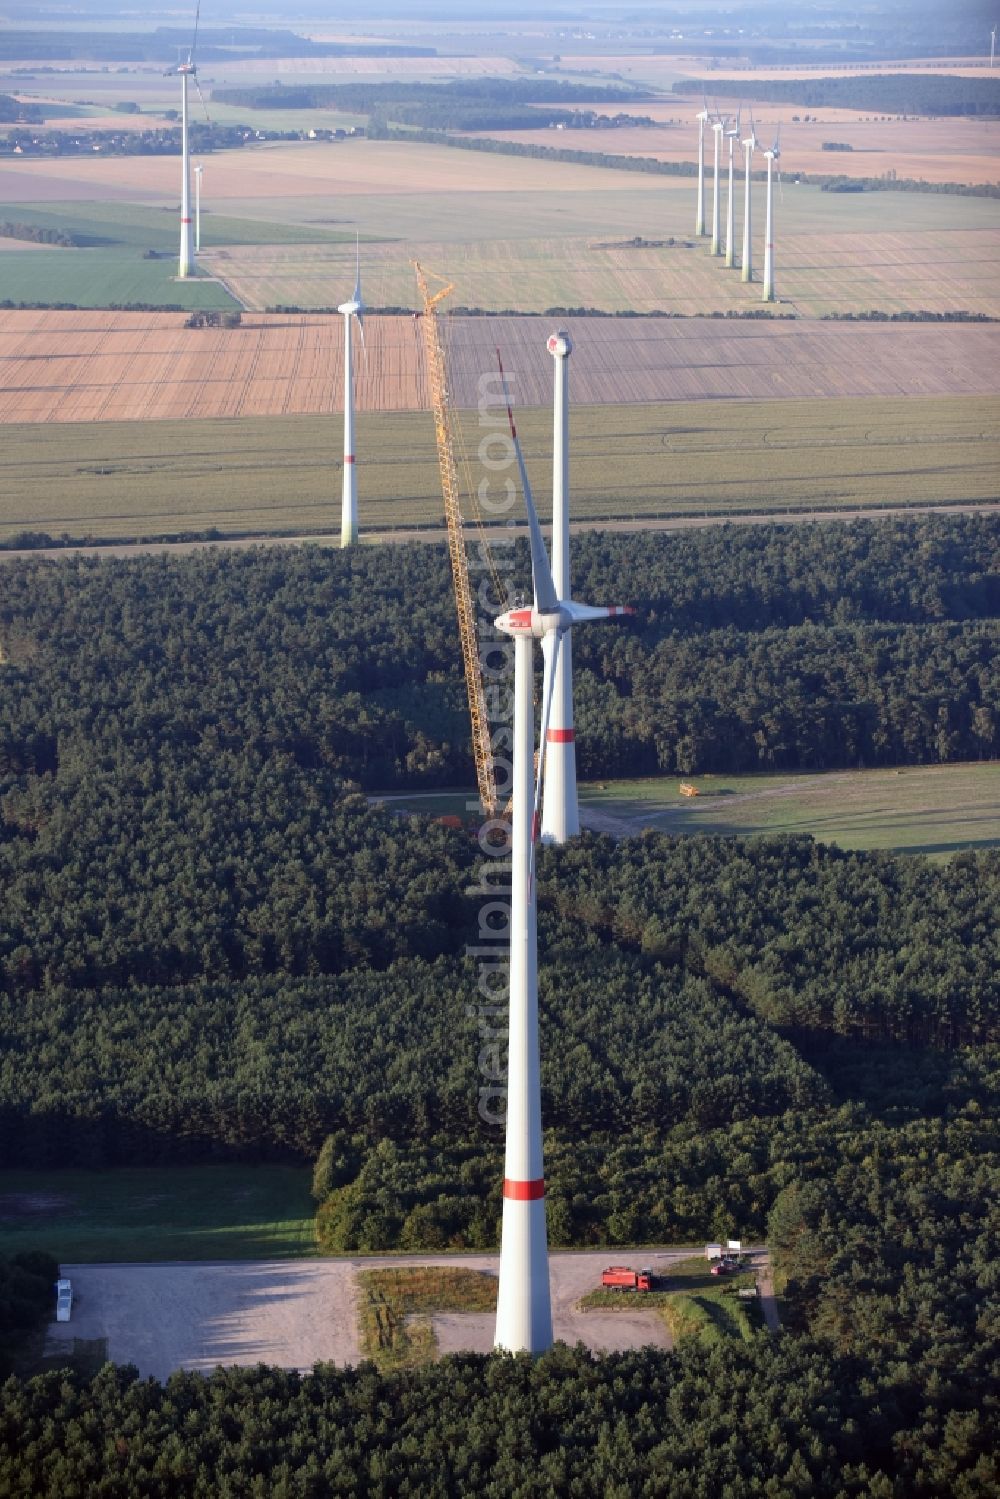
[194, 39]
[551, 646]
[201, 96]
[545, 592]
[357, 277]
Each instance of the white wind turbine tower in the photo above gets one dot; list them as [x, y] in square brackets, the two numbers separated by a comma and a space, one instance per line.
[560, 809]
[197, 207]
[524, 1309]
[718, 129]
[771, 157]
[699, 223]
[749, 146]
[187, 70]
[732, 136]
[355, 308]
[993, 45]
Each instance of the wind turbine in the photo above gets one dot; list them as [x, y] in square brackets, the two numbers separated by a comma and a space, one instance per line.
[560, 809]
[770, 157]
[189, 69]
[524, 1308]
[355, 308]
[699, 223]
[993, 45]
[197, 206]
[749, 146]
[732, 136]
[718, 129]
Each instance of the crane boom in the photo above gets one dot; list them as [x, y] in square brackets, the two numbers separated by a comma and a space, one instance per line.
[482, 749]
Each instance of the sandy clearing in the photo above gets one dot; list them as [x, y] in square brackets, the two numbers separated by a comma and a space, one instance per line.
[294, 1313]
[164, 1317]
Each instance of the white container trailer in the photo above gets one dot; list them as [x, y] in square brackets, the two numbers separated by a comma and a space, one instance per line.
[64, 1300]
[713, 1251]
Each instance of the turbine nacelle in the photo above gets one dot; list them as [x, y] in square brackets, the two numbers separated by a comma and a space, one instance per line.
[541, 623]
[560, 345]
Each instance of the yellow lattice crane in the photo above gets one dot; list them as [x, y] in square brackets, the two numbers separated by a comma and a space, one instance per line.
[444, 431]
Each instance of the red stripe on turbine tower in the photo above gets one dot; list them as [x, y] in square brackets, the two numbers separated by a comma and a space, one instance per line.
[560, 736]
[348, 457]
[524, 1191]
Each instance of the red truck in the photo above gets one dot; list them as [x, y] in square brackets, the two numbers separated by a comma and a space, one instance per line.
[621, 1278]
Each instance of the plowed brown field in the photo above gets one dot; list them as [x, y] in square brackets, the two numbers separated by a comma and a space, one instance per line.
[121, 366]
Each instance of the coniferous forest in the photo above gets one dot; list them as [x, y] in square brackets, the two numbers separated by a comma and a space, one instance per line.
[214, 947]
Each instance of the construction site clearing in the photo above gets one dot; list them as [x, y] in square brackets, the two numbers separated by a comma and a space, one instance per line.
[295, 1313]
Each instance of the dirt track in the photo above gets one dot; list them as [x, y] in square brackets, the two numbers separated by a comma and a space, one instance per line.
[294, 1313]
[438, 536]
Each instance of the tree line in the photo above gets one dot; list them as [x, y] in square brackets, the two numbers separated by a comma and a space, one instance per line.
[885, 93]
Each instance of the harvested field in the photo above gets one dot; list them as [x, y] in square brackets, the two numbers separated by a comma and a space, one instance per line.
[256, 475]
[661, 71]
[108, 366]
[930, 150]
[816, 274]
[317, 168]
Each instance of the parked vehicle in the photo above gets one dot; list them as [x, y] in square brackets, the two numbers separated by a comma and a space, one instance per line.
[621, 1278]
[64, 1300]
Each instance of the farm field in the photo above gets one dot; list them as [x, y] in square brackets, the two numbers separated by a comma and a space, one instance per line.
[816, 273]
[935, 810]
[930, 150]
[159, 1213]
[534, 234]
[256, 475]
[100, 278]
[662, 71]
[107, 225]
[119, 366]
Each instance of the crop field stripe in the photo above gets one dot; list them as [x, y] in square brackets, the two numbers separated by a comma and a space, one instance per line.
[253, 475]
[93, 366]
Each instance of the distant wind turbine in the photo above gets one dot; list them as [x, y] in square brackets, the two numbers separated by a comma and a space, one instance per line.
[699, 223]
[993, 45]
[718, 129]
[732, 136]
[749, 146]
[187, 70]
[355, 308]
[770, 157]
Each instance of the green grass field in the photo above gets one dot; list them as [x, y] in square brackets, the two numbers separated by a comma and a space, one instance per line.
[936, 810]
[159, 1213]
[100, 278]
[282, 474]
[108, 225]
